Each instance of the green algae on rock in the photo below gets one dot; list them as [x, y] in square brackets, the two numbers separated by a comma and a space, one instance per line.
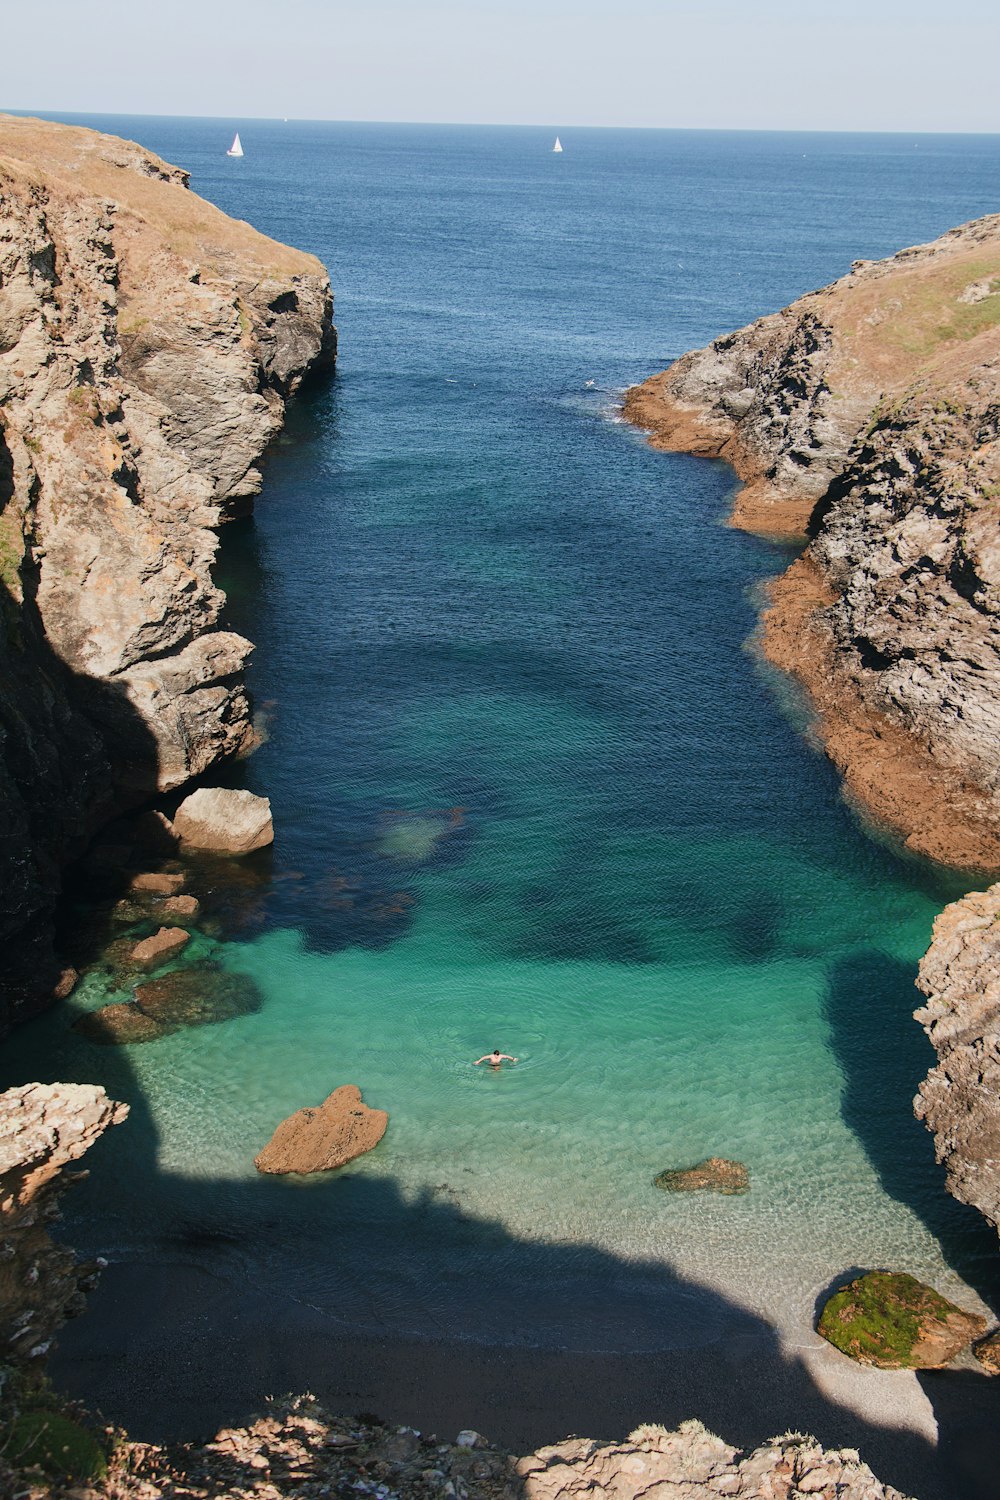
[716, 1175]
[893, 1321]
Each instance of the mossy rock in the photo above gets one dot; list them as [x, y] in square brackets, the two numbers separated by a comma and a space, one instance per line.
[893, 1321]
[56, 1444]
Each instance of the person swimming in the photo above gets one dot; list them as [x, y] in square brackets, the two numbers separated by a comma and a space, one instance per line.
[494, 1058]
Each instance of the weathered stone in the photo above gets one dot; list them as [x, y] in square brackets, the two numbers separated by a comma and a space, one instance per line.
[869, 413]
[159, 947]
[987, 1351]
[43, 1127]
[66, 983]
[892, 1320]
[716, 1175]
[201, 995]
[158, 882]
[960, 1099]
[178, 908]
[322, 1138]
[137, 401]
[226, 821]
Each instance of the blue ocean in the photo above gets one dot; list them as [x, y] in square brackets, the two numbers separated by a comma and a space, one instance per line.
[532, 786]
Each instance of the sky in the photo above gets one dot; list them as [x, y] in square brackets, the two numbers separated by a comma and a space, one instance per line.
[909, 65]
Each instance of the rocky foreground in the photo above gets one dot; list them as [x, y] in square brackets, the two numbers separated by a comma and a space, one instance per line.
[148, 345]
[868, 414]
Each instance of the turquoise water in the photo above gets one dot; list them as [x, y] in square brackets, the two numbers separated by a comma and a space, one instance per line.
[531, 786]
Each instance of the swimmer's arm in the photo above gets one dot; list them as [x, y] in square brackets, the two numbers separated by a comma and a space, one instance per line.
[481, 1060]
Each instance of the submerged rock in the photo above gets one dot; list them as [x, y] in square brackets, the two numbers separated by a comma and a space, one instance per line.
[321, 1138]
[119, 1025]
[893, 1321]
[229, 822]
[716, 1175]
[202, 995]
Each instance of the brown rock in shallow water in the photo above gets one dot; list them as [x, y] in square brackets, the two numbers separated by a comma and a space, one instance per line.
[227, 821]
[118, 1025]
[158, 948]
[199, 996]
[319, 1139]
[716, 1175]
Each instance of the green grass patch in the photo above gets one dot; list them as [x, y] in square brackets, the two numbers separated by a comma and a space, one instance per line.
[55, 1444]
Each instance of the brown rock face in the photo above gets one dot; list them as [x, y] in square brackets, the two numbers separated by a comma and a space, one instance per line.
[960, 1099]
[987, 1351]
[148, 345]
[870, 412]
[716, 1175]
[228, 822]
[43, 1127]
[319, 1139]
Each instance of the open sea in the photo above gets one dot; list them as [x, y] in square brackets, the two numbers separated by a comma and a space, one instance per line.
[531, 785]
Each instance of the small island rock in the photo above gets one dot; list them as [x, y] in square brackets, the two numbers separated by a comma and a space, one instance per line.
[158, 882]
[178, 908]
[226, 821]
[716, 1175]
[317, 1139]
[158, 948]
[893, 1321]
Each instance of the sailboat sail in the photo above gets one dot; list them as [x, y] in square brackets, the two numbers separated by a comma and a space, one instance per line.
[235, 149]
[558, 145]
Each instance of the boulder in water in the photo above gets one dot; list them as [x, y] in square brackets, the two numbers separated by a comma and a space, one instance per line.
[716, 1175]
[158, 882]
[158, 948]
[229, 822]
[893, 1321]
[326, 1136]
[987, 1351]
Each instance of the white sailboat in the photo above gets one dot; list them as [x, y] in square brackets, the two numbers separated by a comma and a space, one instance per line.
[558, 145]
[235, 149]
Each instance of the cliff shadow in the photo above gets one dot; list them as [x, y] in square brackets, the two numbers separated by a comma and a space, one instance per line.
[416, 1308]
[73, 750]
[877, 1105]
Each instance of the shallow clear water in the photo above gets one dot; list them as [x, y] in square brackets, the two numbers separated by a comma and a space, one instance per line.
[530, 785]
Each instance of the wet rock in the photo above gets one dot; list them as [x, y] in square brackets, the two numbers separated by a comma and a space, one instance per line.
[226, 821]
[66, 983]
[178, 908]
[119, 1025]
[201, 995]
[322, 1138]
[157, 949]
[158, 882]
[716, 1175]
[893, 1321]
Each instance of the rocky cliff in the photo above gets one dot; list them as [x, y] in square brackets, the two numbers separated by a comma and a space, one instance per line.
[960, 1098]
[867, 414]
[148, 345]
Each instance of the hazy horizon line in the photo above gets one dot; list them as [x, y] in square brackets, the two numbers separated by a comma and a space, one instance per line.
[231, 119]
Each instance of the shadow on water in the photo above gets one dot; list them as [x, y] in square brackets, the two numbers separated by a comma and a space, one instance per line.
[197, 1337]
[877, 1106]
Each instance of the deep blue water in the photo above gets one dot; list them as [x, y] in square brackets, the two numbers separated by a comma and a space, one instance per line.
[530, 786]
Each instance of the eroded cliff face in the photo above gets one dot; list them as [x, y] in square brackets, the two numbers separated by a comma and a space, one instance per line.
[960, 1098]
[148, 345]
[868, 414]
